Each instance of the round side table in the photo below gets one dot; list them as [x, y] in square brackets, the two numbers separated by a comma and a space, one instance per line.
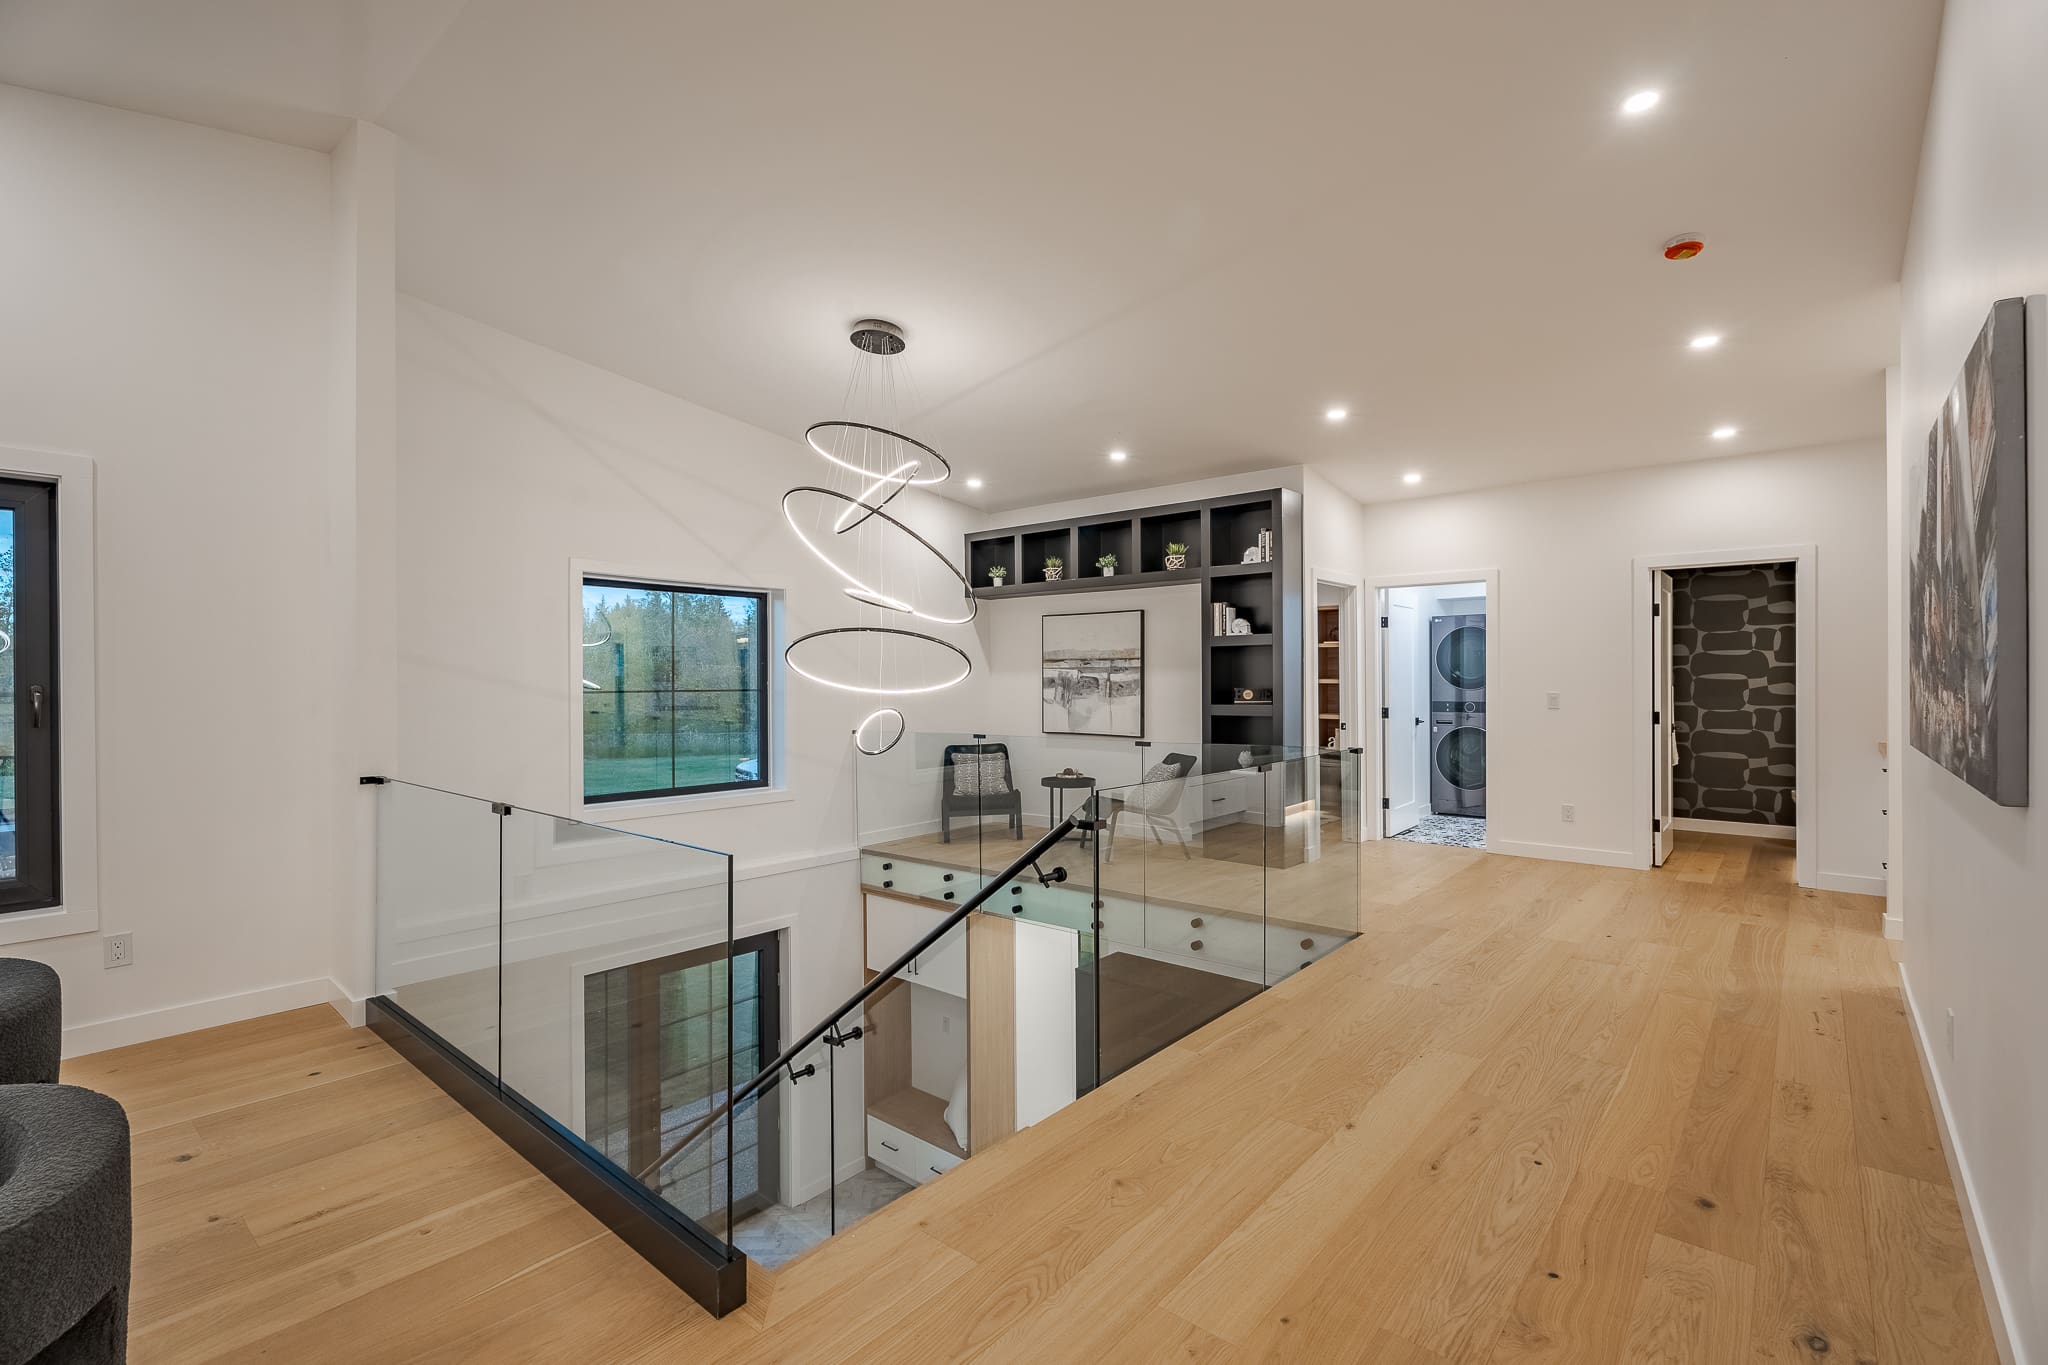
[1056, 789]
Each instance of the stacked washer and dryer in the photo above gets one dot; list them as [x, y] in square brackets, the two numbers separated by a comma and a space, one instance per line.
[1457, 713]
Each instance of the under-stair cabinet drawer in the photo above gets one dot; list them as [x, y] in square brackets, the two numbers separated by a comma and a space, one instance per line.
[894, 927]
[911, 1158]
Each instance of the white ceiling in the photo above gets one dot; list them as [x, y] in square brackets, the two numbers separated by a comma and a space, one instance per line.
[1182, 228]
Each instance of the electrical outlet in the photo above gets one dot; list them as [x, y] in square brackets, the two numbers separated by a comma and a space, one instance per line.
[945, 1023]
[1555, 700]
[1568, 813]
[1951, 1035]
[116, 950]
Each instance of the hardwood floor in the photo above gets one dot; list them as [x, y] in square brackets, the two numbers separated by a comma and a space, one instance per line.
[1536, 1112]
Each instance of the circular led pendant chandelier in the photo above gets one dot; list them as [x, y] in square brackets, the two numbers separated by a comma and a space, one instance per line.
[888, 569]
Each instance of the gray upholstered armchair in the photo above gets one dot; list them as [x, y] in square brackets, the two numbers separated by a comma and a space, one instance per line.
[64, 1227]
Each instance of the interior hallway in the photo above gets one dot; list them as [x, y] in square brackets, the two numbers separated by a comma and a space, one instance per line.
[1538, 1111]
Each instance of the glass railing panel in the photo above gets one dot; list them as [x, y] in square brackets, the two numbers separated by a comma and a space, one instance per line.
[628, 1012]
[1313, 893]
[438, 939]
[940, 799]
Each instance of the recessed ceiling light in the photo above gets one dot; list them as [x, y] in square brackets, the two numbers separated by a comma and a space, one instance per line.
[1642, 102]
[1412, 476]
[1705, 341]
[974, 483]
[1723, 433]
[1336, 414]
[1119, 455]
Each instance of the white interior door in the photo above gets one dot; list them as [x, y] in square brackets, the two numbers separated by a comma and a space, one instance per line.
[1404, 729]
[1664, 745]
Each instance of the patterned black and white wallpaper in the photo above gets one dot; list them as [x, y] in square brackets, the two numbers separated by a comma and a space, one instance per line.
[1732, 661]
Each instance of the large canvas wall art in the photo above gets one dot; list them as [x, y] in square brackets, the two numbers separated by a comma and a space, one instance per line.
[1967, 584]
[1094, 673]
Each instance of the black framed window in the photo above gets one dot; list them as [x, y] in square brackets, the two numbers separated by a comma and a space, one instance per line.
[28, 696]
[675, 690]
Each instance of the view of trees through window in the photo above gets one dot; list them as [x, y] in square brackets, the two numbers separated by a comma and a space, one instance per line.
[674, 690]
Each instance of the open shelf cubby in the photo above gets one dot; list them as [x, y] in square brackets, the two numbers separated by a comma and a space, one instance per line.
[1098, 538]
[1057, 542]
[983, 555]
[1175, 526]
[1234, 528]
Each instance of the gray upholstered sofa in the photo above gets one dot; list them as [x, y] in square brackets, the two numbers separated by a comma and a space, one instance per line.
[64, 1192]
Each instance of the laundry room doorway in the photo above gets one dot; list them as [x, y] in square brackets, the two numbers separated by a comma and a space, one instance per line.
[1435, 657]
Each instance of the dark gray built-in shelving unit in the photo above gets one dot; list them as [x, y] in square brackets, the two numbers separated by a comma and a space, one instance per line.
[1217, 532]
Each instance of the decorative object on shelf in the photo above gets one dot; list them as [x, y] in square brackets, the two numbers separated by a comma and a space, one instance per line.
[1240, 626]
[845, 526]
[1245, 695]
[1176, 555]
[1265, 545]
[1221, 615]
[1107, 563]
[1967, 595]
[1251, 556]
[1093, 673]
[1244, 758]
[997, 574]
[1054, 567]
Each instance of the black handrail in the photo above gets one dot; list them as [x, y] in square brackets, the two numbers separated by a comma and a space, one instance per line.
[773, 1071]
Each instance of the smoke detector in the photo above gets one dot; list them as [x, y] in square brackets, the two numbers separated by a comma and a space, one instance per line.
[1684, 246]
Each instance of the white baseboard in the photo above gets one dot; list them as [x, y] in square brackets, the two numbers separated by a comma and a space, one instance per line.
[1562, 853]
[349, 1007]
[1738, 827]
[1894, 925]
[1844, 881]
[1997, 1297]
[124, 1030]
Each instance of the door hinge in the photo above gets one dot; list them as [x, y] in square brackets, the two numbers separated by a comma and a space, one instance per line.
[1385, 714]
[1386, 803]
[1656, 825]
[1656, 718]
[1656, 609]
[1383, 623]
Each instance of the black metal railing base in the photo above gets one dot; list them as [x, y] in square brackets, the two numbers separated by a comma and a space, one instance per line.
[692, 1259]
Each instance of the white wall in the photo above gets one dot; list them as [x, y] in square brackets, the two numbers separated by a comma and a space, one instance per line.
[1562, 623]
[169, 295]
[1976, 920]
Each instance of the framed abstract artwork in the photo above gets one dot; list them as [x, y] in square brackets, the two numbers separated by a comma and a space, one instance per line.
[1967, 571]
[1093, 679]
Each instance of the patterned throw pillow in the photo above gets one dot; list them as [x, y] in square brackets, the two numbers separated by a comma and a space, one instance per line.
[980, 775]
[1159, 793]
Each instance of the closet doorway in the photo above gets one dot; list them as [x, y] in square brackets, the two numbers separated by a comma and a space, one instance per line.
[1725, 719]
[1333, 684]
[1435, 659]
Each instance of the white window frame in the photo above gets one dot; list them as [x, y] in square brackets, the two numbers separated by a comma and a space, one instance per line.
[78, 912]
[621, 812]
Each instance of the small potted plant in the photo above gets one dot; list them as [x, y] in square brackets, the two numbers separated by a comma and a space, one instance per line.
[1054, 567]
[1176, 555]
[998, 573]
[1108, 566]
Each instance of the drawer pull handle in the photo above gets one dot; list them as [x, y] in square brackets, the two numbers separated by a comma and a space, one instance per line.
[935, 1170]
[892, 1146]
[1307, 944]
[1195, 923]
[1196, 945]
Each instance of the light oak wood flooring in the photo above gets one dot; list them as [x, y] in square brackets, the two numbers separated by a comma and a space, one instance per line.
[1537, 1112]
